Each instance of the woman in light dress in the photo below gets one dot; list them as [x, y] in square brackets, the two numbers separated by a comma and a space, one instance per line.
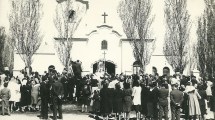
[15, 92]
[136, 94]
[34, 94]
[193, 96]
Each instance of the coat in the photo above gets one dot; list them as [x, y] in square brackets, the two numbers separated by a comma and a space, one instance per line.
[117, 100]
[127, 100]
[25, 95]
[176, 96]
[213, 99]
[144, 96]
[162, 96]
[105, 103]
[5, 96]
[202, 104]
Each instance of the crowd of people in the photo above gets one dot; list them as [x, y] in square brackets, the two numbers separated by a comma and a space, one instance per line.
[151, 96]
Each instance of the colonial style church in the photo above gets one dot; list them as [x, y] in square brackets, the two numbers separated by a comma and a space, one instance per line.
[103, 44]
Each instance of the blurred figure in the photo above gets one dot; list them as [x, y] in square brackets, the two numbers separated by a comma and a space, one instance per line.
[117, 101]
[136, 94]
[163, 101]
[176, 98]
[127, 101]
[5, 95]
[57, 96]
[193, 96]
[34, 94]
[15, 93]
[44, 94]
[85, 95]
[96, 103]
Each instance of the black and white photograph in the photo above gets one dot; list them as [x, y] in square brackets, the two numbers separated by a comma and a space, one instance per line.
[107, 59]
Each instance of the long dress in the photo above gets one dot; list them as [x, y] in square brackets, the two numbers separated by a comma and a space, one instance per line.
[144, 96]
[117, 100]
[127, 100]
[194, 108]
[105, 106]
[137, 98]
[25, 95]
[35, 94]
[202, 104]
[15, 91]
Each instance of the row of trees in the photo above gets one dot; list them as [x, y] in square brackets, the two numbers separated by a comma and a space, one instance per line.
[137, 20]
[136, 16]
[25, 36]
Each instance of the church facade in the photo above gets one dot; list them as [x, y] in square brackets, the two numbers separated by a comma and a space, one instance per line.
[104, 44]
[99, 37]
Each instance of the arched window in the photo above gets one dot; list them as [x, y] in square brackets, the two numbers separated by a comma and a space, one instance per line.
[104, 45]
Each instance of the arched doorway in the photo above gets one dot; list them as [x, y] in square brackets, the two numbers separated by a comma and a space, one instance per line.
[110, 67]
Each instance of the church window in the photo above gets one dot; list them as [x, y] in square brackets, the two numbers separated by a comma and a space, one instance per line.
[104, 45]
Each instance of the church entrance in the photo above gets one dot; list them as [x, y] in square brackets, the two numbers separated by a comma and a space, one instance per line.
[109, 66]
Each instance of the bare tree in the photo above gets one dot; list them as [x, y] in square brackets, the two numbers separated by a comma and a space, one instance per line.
[24, 21]
[66, 22]
[177, 33]
[137, 20]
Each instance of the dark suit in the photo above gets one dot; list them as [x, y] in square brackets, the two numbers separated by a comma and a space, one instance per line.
[152, 103]
[44, 94]
[176, 98]
[57, 93]
[163, 103]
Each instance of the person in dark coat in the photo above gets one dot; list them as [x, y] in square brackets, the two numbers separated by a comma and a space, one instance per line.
[163, 101]
[176, 98]
[85, 95]
[5, 96]
[44, 95]
[117, 100]
[71, 84]
[25, 91]
[57, 96]
[152, 101]
[203, 95]
[64, 81]
[144, 96]
[105, 102]
[127, 100]
[96, 103]
[213, 99]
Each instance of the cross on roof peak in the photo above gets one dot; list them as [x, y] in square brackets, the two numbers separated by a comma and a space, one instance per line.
[104, 15]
